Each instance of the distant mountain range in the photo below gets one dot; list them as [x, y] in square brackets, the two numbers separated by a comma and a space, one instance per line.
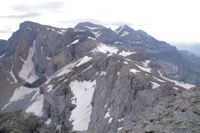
[193, 48]
[91, 79]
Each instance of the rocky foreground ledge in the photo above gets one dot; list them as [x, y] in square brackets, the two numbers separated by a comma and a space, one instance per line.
[179, 113]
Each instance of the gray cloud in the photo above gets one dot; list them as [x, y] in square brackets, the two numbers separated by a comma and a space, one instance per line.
[21, 16]
[48, 6]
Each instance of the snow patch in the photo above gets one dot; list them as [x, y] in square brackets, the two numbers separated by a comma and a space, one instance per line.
[37, 106]
[84, 60]
[49, 88]
[13, 76]
[48, 58]
[175, 88]
[118, 43]
[110, 120]
[19, 94]
[48, 121]
[126, 53]
[118, 73]
[64, 70]
[155, 85]
[107, 115]
[178, 83]
[91, 28]
[83, 93]
[62, 31]
[91, 38]
[181, 84]
[146, 63]
[126, 62]
[1, 56]
[106, 105]
[134, 71]
[74, 42]
[144, 69]
[119, 129]
[124, 33]
[120, 120]
[103, 73]
[103, 48]
[27, 71]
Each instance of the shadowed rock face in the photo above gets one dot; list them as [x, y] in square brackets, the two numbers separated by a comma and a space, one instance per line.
[92, 79]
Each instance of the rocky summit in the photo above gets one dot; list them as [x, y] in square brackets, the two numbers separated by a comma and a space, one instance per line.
[91, 79]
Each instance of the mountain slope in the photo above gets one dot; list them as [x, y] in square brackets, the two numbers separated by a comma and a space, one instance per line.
[88, 78]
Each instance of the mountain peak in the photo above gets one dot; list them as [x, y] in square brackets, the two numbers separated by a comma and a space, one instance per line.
[28, 24]
[89, 26]
[124, 28]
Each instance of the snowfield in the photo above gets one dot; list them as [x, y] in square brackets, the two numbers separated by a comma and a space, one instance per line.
[19, 94]
[27, 71]
[37, 106]
[83, 93]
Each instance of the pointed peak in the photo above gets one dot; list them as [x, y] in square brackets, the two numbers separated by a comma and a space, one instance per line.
[124, 28]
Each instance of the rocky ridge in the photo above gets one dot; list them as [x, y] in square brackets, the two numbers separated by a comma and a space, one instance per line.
[90, 78]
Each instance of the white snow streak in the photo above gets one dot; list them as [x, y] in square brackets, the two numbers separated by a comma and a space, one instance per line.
[178, 83]
[84, 60]
[74, 42]
[134, 71]
[13, 76]
[1, 56]
[144, 69]
[126, 53]
[91, 28]
[118, 43]
[83, 93]
[103, 73]
[155, 85]
[125, 33]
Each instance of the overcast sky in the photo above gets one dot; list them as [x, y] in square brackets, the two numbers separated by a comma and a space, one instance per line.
[167, 20]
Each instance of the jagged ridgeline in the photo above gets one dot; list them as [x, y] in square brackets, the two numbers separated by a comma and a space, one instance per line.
[92, 79]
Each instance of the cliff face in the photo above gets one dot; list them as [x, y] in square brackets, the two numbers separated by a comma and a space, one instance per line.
[89, 78]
